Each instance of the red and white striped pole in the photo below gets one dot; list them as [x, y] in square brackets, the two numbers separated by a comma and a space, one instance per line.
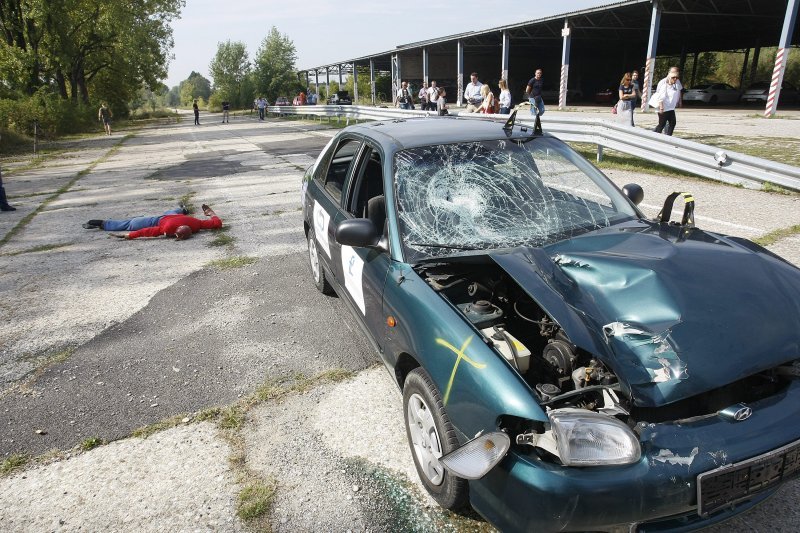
[652, 46]
[648, 82]
[562, 87]
[777, 81]
[780, 58]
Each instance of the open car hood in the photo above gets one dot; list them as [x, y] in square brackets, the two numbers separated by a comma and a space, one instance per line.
[674, 312]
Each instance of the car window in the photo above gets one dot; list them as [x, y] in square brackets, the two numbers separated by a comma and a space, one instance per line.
[700, 87]
[367, 183]
[338, 167]
[499, 194]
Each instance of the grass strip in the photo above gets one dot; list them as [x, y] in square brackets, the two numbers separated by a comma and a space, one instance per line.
[66, 187]
[232, 262]
[41, 248]
[774, 236]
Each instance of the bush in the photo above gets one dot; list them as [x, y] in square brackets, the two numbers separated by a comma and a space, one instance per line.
[54, 115]
[214, 103]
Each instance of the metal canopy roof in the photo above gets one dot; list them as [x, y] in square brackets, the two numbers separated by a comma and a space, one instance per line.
[687, 26]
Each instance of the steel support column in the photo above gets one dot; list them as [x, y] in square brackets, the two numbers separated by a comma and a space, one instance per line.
[460, 73]
[652, 46]
[781, 57]
[327, 84]
[682, 59]
[395, 76]
[355, 84]
[754, 64]
[562, 89]
[340, 76]
[425, 66]
[744, 68]
[316, 83]
[506, 49]
[372, 79]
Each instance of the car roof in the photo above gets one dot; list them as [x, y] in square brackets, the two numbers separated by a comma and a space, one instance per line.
[428, 131]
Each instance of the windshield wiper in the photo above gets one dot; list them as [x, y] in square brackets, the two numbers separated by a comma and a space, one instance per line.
[448, 246]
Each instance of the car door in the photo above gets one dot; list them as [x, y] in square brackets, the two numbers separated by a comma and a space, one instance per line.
[364, 270]
[331, 181]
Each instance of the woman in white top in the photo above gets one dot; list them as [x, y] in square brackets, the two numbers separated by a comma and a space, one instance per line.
[487, 106]
[666, 98]
[505, 98]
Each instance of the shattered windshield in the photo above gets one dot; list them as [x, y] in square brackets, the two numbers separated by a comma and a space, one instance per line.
[499, 194]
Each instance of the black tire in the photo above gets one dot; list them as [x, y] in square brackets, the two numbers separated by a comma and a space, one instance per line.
[318, 273]
[713, 100]
[419, 393]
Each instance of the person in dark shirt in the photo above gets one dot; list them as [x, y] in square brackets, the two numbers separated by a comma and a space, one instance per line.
[226, 106]
[534, 92]
[104, 114]
[196, 113]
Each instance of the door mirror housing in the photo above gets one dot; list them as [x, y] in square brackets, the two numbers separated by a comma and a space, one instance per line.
[634, 193]
[358, 233]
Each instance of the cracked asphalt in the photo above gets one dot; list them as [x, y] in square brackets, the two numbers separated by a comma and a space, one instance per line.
[99, 337]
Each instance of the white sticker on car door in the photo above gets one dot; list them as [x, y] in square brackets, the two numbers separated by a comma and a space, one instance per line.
[353, 266]
[321, 221]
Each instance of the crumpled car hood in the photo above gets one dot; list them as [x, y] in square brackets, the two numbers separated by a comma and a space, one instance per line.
[673, 312]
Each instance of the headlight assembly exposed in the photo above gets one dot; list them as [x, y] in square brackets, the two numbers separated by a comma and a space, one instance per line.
[586, 438]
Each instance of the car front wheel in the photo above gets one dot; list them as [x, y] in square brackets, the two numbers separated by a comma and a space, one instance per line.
[317, 271]
[430, 436]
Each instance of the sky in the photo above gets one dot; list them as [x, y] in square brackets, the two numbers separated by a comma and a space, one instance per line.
[327, 31]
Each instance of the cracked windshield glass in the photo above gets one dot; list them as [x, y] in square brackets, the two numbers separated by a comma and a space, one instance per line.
[499, 194]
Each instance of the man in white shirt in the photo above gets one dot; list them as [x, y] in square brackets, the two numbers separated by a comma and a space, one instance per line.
[422, 96]
[432, 96]
[668, 97]
[472, 94]
[404, 98]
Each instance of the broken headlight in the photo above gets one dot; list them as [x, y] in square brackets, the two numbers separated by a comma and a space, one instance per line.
[586, 438]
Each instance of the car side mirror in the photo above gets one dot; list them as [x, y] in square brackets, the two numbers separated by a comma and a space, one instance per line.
[358, 233]
[634, 193]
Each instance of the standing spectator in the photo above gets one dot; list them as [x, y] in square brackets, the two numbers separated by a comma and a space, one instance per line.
[422, 96]
[666, 99]
[489, 100]
[534, 92]
[4, 205]
[433, 97]
[261, 103]
[226, 106]
[196, 113]
[505, 98]
[472, 93]
[636, 87]
[441, 103]
[627, 99]
[104, 115]
[404, 98]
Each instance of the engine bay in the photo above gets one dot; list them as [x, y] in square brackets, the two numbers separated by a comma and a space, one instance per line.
[559, 373]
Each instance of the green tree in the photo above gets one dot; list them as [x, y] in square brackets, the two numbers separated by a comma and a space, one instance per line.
[195, 86]
[274, 70]
[228, 69]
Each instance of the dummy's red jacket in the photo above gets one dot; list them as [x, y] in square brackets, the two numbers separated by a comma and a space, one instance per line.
[169, 223]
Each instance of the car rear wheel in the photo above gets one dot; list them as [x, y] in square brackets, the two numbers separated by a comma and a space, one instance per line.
[430, 436]
[317, 271]
[714, 99]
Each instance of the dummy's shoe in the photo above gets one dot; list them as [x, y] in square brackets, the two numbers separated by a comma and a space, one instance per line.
[7, 208]
[93, 224]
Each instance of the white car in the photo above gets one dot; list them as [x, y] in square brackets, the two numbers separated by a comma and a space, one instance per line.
[712, 93]
[757, 93]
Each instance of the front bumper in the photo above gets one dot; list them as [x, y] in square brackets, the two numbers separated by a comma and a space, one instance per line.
[659, 493]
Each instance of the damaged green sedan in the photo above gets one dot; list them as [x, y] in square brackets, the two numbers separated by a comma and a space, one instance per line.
[566, 363]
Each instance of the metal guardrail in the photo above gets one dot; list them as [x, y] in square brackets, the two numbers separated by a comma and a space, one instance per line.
[708, 161]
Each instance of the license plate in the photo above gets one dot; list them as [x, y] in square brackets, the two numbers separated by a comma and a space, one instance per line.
[731, 484]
